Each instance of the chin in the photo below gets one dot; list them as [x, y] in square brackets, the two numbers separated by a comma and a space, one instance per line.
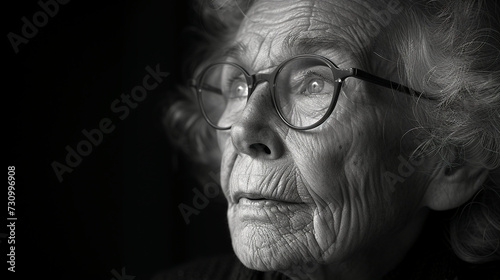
[268, 246]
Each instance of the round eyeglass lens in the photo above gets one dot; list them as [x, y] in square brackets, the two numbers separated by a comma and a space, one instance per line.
[304, 90]
[223, 96]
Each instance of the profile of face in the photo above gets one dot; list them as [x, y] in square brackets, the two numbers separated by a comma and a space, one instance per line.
[320, 197]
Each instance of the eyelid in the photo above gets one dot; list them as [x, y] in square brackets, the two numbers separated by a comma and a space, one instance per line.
[232, 78]
[311, 73]
[298, 80]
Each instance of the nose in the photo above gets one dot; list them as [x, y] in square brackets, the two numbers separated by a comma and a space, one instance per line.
[255, 134]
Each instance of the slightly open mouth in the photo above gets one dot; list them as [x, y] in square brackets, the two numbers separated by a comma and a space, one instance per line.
[264, 201]
[258, 201]
[261, 199]
[250, 199]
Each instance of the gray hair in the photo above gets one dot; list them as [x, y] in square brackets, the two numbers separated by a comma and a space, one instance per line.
[451, 51]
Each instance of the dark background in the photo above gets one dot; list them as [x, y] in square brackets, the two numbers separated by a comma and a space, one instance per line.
[119, 207]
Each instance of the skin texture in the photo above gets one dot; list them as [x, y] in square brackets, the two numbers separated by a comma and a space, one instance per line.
[330, 212]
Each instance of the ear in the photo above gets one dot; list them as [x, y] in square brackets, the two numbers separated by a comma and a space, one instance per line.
[451, 187]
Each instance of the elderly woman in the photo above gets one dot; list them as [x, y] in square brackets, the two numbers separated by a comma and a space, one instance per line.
[358, 140]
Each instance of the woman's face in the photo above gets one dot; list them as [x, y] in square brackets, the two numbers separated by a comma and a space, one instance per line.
[325, 195]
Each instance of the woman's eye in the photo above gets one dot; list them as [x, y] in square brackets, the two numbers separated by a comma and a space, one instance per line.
[315, 86]
[239, 89]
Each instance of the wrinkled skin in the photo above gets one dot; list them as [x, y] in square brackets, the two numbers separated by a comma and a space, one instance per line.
[329, 211]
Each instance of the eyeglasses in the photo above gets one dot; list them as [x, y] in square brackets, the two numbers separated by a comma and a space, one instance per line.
[304, 90]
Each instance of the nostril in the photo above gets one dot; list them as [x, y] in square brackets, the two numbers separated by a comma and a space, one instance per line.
[267, 150]
[259, 148]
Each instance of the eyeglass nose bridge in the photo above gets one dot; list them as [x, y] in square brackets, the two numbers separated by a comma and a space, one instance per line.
[258, 78]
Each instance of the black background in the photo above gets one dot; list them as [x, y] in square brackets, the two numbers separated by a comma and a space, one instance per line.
[119, 207]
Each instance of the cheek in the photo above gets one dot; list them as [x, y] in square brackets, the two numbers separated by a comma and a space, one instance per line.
[342, 168]
[223, 139]
[339, 159]
[228, 155]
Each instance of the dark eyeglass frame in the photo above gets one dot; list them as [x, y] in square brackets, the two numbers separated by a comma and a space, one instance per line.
[339, 74]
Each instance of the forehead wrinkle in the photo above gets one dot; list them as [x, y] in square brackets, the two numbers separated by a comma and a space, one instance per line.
[241, 52]
[264, 12]
[265, 26]
[295, 45]
[310, 33]
[262, 48]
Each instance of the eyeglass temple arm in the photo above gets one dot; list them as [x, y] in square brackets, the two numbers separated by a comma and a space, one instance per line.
[360, 74]
[192, 83]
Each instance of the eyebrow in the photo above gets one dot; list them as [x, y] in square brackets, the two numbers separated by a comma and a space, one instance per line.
[294, 45]
[235, 51]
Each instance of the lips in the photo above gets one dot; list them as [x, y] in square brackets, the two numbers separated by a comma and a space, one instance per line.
[255, 197]
[259, 186]
[258, 181]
